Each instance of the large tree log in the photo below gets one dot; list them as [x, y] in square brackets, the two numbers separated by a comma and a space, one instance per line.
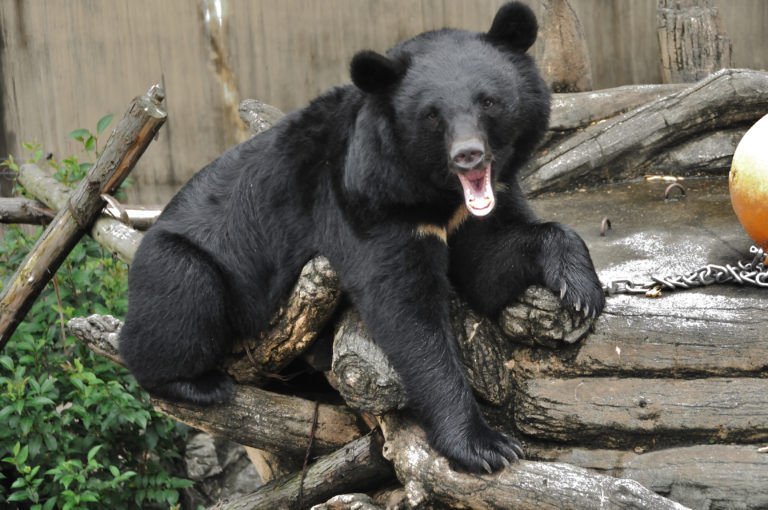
[610, 412]
[127, 143]
[357, 466]
[524, 485]
[580, 109]
[628, 145]
[265, 420]
[705, 476]
[692, 40]
[637, 336]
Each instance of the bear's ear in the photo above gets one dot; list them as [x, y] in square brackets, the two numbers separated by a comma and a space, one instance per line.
[375, 73]
[514, 27]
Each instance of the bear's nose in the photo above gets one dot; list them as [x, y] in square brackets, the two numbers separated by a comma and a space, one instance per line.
[467, 154]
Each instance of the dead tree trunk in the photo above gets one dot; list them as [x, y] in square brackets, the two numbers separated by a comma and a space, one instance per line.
[565, 63]
[692, 40]
[127, 143]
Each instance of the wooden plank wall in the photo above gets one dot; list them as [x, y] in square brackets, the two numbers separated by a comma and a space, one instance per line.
[65, 63]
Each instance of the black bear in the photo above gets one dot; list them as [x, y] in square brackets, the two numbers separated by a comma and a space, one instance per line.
[406, 181]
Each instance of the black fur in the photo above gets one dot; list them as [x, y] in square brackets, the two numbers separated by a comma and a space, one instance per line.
[355, 176]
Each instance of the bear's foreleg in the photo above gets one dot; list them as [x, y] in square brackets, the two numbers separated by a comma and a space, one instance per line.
[493, 262]
[401, 289]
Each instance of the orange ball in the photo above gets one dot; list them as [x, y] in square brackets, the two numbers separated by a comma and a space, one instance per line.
[748, 181]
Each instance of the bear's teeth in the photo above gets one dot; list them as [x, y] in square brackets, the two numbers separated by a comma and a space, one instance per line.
[478, 192]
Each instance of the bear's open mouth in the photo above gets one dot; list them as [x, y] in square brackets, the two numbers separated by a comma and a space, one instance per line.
[478, 191]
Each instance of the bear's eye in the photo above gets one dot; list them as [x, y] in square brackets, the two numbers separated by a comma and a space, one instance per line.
[432, 115]
[487, 103]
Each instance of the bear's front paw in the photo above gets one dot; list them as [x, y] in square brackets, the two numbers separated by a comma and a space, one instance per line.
[480, 450]
[539, 318]
[568, 272]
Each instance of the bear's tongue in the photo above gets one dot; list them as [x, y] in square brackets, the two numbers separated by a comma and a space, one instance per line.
[478, 192]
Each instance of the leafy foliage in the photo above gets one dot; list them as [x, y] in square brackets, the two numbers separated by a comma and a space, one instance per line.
[77, 431]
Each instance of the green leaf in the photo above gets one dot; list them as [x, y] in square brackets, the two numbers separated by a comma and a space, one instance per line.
[21, 458]
[7, 363]
[93, 451]
[103, 123]
[18, 496]
[78, 134]
[90, 143]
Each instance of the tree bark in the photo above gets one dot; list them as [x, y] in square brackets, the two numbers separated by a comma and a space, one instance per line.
[357, 466]
[692, 40]
[627, 146]
[293, 328]
[126, 144]
[524, 485]
[704, 476]
[565, 62]
[611, 411]
[637, 336]
[24, 210]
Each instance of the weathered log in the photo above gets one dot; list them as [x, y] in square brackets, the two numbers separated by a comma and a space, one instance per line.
[611, 412]
[127, 143]
[266, 420]
[114, 235]
[580, 109]
[692, 40]
[24, 210]
[565, 62]
[357, 466]
[637, 336]
[293, 328]
[705, 476]
[628, 145]
[527, 484]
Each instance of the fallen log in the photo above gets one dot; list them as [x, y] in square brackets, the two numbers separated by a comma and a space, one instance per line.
[127, 143]
[628, 145]
[704, 476]
[24, 210]
[357, 466]
[571, 111]
[637, 336]
[524, 485]
[266, 421]
[614, 412]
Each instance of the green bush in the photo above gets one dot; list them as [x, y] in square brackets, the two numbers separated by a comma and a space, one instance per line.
[77, 431]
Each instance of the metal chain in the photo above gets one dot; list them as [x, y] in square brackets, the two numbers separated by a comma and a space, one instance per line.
[751, 272]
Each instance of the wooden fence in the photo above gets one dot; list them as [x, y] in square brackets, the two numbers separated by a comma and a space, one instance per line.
[66, 63]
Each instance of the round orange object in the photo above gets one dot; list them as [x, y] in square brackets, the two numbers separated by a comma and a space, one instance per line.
[748, 182]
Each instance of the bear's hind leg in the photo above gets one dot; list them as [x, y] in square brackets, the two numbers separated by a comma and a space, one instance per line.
[177, 326]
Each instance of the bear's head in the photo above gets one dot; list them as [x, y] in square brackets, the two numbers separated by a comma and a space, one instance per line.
[448, 114]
